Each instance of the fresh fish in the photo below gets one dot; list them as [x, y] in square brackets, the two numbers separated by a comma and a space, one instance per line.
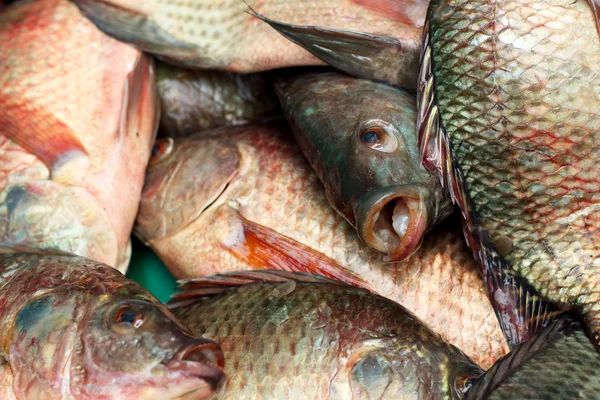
[509, 112]
[288, 335]
[79, 116]
[192, 101]
[559, 363]
[360, 138]
[380, 38]
[76, 328]
[242, 198]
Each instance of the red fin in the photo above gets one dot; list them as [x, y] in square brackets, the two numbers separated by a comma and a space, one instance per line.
[40, 133]
[264, 248]
[194, 289]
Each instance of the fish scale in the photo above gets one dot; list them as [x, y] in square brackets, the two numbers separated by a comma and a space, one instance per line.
[517, 93]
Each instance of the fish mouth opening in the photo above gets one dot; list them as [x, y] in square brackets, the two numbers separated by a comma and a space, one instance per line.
[205, 362]
[394, 223]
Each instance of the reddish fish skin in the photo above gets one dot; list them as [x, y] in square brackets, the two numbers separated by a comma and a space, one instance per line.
[85, 106]
[258, 204]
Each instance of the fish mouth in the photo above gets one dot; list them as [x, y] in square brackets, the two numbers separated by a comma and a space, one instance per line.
[202, 361]
[393, 220]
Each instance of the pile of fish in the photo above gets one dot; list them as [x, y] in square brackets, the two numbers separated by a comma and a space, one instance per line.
[361, 199]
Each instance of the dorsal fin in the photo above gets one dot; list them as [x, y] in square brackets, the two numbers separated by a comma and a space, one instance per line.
[193, 290]
[519, 308]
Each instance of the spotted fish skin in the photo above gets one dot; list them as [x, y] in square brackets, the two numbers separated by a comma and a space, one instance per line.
[509, 115]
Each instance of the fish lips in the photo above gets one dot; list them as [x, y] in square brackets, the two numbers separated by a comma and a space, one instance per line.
[393, 220]
[204, 361]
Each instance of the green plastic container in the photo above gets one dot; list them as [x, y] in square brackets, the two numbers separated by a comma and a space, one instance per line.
[149, 271]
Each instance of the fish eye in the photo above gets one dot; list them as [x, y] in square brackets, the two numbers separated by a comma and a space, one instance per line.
[125, 319]
[161, 149]
[377, 135]
[464, 382]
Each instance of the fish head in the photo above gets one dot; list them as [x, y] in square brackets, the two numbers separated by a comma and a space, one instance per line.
[134, 348]
[128, 348]
[389, 368]
[360, 137]
[185, 178]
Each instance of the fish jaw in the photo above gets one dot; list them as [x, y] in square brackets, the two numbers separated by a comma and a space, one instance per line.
[393, 220]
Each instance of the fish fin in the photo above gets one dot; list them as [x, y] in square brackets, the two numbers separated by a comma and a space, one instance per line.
[134, 26]
[519, 308]
[193, 290]
[264, 248]
[485, 385]
[595, 5]
[364, 55]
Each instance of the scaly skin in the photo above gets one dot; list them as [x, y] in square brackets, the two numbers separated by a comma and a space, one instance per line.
[517, 84]
[85, 106]
[63, 335]
[316, 340]
[192, 101]
[559, 363]
[222, 35]
[274, 214]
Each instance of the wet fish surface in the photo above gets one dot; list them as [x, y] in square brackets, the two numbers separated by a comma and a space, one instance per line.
[509, 117]
[257, 204]
[227, 34]
[560, 362]
[76, 328]
[195, 100]
[286, 335]
[360, 138]
[79, 115]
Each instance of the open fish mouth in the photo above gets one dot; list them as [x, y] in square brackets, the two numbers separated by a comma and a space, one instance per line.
[393, 220]
[204, 362]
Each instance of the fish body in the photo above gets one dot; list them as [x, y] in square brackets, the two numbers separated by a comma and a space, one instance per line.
[229, 34]
[78, 121]
[560, 362]
[192, 101]
[75, 328]
[257, 204]
[289, 335]
[509, 115]
[360, 138]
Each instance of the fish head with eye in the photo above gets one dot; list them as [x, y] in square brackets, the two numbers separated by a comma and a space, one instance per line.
[360, 137]
[111, 348]
[387, 369]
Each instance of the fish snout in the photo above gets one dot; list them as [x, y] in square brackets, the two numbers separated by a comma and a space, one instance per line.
[393, 220]
[202, 359]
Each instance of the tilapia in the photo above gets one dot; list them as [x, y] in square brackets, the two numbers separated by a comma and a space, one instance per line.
[192, 101]
[242, 198]
[79, 116]
[288, 335]
[560, 362]
[360, 138]
[509, 116]
[379, 38]
[75, 328]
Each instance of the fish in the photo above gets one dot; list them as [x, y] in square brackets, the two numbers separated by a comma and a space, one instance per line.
[368, 158]
[245, 198]
[76, 328]
[380, 38]
[195, 100]
[509, 117]
[288, 335]
[79, 118]
[559, 362]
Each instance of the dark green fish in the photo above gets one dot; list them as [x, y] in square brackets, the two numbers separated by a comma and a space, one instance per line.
[294, 335]
[509, 116]
[558, 363]
[192, 101]
[72, 328]
[360, 138]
